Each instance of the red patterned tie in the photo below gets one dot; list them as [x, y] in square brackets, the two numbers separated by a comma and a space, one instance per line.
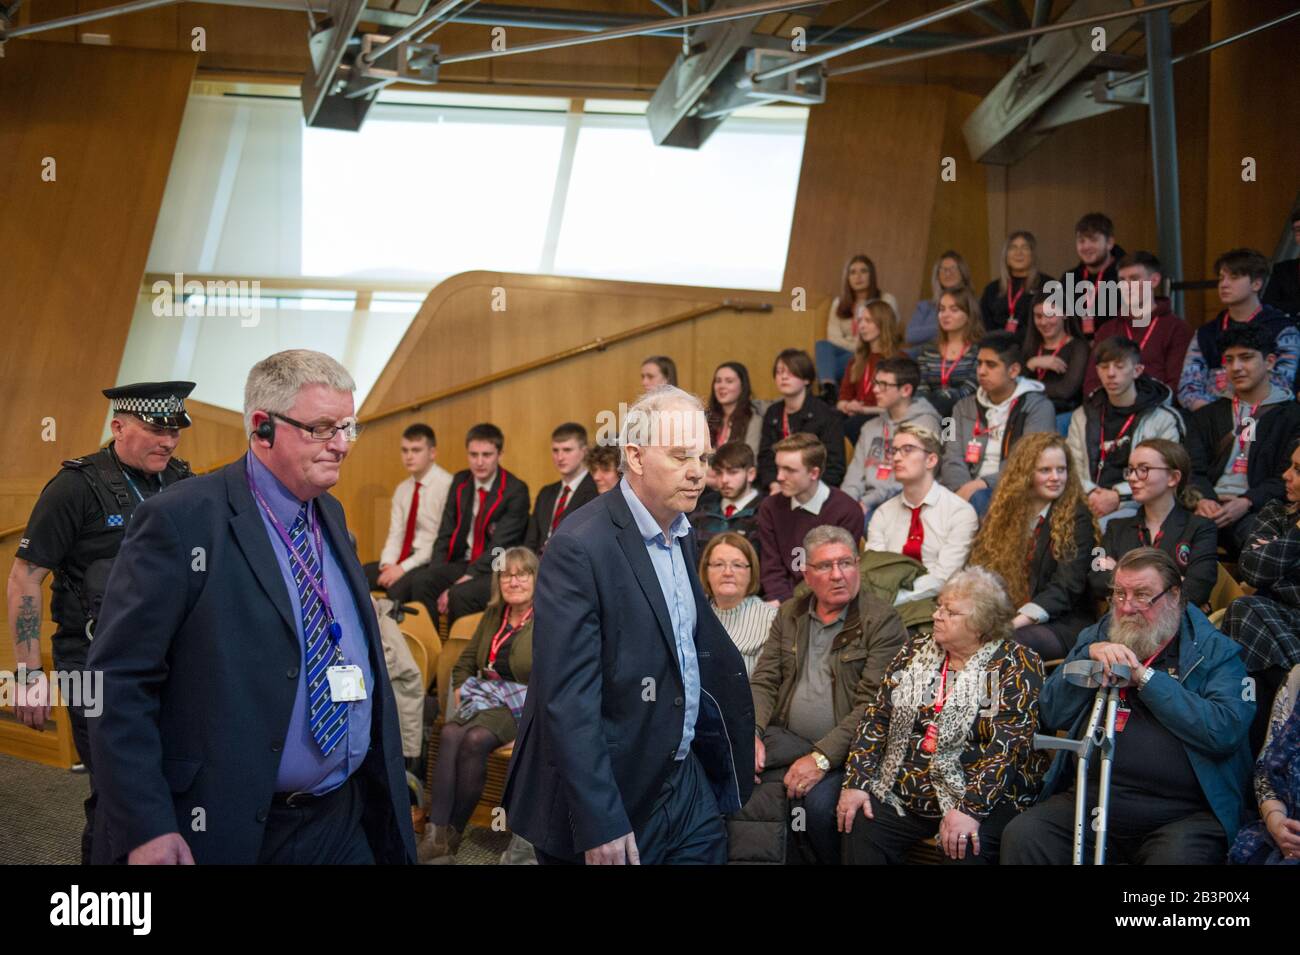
[915, 535]
[559, 508]
[408, 541]
[480, 526]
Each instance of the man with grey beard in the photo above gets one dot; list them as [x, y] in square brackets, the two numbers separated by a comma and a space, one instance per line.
[1182, 761]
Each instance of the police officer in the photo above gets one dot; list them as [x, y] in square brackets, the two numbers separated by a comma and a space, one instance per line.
[75, 531]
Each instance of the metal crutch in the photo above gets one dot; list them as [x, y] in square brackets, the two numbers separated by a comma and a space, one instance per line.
[1099, 735]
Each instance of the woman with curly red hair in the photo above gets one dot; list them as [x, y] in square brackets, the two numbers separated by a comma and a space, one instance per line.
[1039, 535]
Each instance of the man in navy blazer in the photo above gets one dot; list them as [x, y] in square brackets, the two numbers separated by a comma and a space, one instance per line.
[211, 751]
[638, 732]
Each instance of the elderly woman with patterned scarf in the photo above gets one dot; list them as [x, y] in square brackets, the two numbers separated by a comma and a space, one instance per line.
[946, 748]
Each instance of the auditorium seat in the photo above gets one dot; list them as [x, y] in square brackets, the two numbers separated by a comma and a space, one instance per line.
[419, 627]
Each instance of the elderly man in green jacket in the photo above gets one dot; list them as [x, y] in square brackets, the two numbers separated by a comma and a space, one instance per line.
[823, 661]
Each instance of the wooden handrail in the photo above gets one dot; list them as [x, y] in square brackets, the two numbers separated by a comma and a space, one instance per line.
[596, 344]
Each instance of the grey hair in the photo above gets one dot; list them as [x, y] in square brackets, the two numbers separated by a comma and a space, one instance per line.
[991, 612]
[824, 534]
[274, 382]
[643, 420]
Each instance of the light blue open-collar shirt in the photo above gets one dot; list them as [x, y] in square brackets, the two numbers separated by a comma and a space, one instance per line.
[669, 560]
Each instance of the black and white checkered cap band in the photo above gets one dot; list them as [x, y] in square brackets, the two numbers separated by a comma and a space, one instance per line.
[170, 405]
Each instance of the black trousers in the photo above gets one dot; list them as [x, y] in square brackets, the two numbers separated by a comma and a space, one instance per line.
[402, 588]
[887, 838]
[1044, 835]
[326, 831]
[684, 828]
[466, 598]
[69, 651]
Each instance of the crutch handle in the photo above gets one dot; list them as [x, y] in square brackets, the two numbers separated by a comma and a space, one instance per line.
[1092, 674]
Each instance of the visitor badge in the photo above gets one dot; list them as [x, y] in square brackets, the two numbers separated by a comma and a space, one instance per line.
[1220, 379]
[1089, 325]
[1121, 718]
[347, 683]
[974, 451]
[1239, 464]
[1012, 324]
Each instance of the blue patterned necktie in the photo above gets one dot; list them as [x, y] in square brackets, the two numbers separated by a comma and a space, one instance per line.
[328, 720]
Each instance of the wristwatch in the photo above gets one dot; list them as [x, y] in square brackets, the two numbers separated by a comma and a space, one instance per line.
[822, 762]
[1147, 673]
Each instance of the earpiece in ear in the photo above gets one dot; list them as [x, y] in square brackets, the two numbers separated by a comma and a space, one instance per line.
[266, 431]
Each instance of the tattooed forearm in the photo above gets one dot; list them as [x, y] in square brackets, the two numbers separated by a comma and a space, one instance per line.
[27, 629]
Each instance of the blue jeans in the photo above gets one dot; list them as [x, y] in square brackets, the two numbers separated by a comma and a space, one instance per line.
[832, 361]
[1063, 423]
[981, 500]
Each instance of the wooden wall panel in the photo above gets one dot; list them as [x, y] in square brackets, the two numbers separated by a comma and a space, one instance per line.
[456, 338]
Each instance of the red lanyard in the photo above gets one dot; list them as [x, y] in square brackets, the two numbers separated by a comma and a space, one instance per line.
[1238, 424]
[1013, 299]
[1096, 290]
[1102, 449]
[785, 423]
[946, 370]
[930, 741]
[1123, 693]
[1224, 326]
[502, 635]
[1155, 320]
[1042, 372]
[979, 428]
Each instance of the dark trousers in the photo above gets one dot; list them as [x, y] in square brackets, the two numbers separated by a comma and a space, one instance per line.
[1044, 835]
[887, 838]
[402, 588]
[69, 651]
[466, 598]
[325, 831]
[684, 827]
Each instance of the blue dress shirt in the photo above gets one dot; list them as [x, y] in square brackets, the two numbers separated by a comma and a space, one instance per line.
[669, 560]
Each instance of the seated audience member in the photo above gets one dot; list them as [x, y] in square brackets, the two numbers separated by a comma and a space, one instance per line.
[870, 478]
[733, 507]
[561, 498]
[658, 370]
[1204, 378]
[803, 501]
[1161, 335]
[1057, 355]
[987, 424]
[834, 353]
[1239, 445]
[949, 274]
[413, 519]
[733, 413]
[1178, 779]
[799, 410]
[924, 521]
[1283, 289]
[948, 363]
[409, 688]
[1094, 240]
[1005, 304]
[1275, 837]
[878, 338]
[729, 573]
[602, 464]
[1126, 410]
[1038, 536]
[931, 756]
[1267, 623]
[1159, 477]
[489, 685]
[821, 665]
[486, 509]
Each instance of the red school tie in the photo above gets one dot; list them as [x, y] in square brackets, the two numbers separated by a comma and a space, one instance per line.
[915, 535]
[729, 510]
[480, 526]
[408, 540]
[559, 508]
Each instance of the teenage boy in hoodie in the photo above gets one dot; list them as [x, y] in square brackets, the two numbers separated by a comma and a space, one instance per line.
[734, 505]
[1128, 408]
[1161, 335]
[987, 424]
[870, 479]
[1241, 276]
[1239, 445]
[1094, 240]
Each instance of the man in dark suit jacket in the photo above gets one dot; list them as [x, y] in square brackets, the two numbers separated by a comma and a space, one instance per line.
[1283, 289]
[207, 746]
[485, 514]
[638, 733]
[558, 500]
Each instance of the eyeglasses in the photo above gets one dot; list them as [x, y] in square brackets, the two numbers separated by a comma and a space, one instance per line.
[324, 432]
[1137, 601]
[732, 565]
[904, 449]
[516, 575]
[882, 384]
[942, 611]
[1140, 471]
[845, 564]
